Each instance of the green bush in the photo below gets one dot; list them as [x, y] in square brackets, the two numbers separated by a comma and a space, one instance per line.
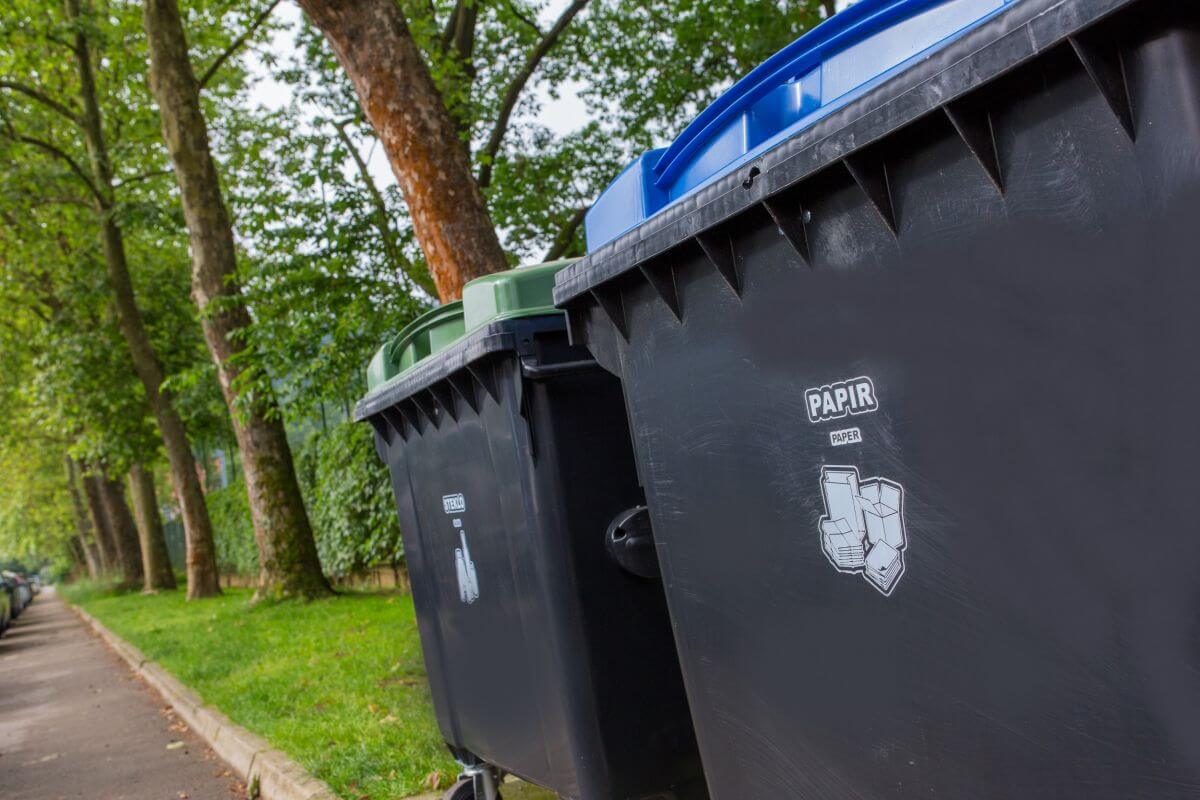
[349, 499]
[233, 530]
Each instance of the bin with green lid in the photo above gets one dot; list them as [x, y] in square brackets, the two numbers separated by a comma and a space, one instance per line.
[548, 647]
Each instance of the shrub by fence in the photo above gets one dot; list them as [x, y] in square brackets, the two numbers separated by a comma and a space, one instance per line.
[349, 500]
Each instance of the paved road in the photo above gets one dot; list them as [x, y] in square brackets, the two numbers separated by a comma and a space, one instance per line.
[75, 723]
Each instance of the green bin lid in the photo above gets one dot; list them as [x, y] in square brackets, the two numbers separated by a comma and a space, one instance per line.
[522, 292]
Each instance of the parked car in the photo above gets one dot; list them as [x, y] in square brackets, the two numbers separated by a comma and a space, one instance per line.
[22, 594]
[6, 604]
[35, 584]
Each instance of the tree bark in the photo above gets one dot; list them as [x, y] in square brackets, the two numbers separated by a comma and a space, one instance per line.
[90, 557]
[83, 527]
[287, 552]
[79, 556]
[156, 564]
[373, 43]
[125, 535]
[105, 544]
[201, 553]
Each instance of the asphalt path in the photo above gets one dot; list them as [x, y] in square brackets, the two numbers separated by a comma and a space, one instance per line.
[76, 723]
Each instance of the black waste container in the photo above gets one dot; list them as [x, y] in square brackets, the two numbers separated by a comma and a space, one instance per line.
[908, 327]
[510, 459]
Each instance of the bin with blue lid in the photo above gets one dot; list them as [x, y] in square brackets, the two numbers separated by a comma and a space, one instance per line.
[905, 324]
[544, 629]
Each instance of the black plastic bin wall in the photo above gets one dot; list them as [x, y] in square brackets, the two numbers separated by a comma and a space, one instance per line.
[509, 455]
[914, 399]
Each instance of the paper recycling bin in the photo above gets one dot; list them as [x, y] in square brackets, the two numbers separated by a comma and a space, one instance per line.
[510, 459]
[907, 325]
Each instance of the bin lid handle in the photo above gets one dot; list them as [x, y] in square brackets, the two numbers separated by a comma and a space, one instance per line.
[839, 32]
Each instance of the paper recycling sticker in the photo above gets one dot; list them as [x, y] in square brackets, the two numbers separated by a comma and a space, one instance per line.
[863, 528]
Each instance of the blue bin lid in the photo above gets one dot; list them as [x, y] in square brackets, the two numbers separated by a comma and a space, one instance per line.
[825, 68]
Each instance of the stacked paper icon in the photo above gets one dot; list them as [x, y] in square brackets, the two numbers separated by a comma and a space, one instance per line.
[843, 546]
[884, 566]
[863, 527]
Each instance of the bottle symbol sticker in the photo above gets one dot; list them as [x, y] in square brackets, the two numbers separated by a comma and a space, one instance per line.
[863, 527]
[468, 582]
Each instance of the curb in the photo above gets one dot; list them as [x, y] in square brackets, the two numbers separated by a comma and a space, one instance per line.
[251, 757]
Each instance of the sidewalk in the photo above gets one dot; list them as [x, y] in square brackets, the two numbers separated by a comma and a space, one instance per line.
[74, 723]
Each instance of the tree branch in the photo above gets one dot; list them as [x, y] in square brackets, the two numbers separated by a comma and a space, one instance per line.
[41, 97]
[464, 35]
[566, 235]
[237, 43]
[62, 155]
[61, 43]
[516, 12]
[451, 25]
[55, 200]
[145, 176]
[517, 86]
[382, 222]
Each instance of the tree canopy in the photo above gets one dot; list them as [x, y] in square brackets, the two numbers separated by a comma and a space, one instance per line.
[328, 259]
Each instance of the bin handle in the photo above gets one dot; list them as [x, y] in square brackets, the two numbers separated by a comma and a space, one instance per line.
[630, 543]
[536, 371]
[832, 36]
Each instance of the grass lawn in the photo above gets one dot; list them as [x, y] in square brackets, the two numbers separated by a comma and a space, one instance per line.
[337, 684]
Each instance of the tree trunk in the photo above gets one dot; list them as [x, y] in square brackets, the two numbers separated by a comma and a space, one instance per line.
[373, 43]
[105, 543]
[79, 557]
[201, 553]
[125, 535]
[287, 553]
[83, 528]
[156, 564]
[91, 557]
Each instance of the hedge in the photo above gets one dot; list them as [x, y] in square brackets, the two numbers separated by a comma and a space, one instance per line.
[349, 500]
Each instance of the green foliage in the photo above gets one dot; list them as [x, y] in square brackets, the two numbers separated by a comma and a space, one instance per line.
[233, 530]
[349, 497]
[349, 500]
[349, 503]
[72, 388]
[649, 68]
[643, 69]
[325, 282]
[36, 524]
[327, 257]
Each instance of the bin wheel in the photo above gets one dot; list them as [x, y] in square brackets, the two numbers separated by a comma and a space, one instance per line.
[464, 790]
